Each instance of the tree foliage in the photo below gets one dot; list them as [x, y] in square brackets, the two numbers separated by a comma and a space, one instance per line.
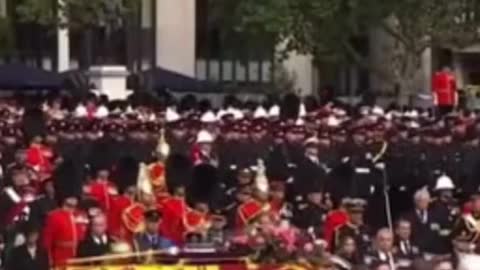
[332, 30]
[7, 40]
[76, 13]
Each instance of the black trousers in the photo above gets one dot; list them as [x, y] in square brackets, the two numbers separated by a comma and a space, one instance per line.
[443, 110]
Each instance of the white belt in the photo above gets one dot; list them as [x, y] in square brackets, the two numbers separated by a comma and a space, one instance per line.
[362, 170]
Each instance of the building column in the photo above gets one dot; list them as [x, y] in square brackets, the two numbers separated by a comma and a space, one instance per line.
[458, 70]
[382, 48]
[427, 71]
[63, 46]
[301, 68]
[175, 35]
[3, 9]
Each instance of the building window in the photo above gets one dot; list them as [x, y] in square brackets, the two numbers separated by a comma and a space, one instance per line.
[227, 56]
[3, 8]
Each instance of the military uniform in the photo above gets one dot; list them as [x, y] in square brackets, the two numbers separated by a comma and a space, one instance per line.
[309, 173]
[470, 169]
[360, 234]
[309, 216]
[443, 217]
[65, 228]
[467, 230]
[40, 209]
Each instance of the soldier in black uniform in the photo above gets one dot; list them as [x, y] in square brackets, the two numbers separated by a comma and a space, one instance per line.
[470, 169]
[355, 227]
[277, 160]
[399, 173]
[310, 214]
[260, 142]
[444, 212]
[44, 203]
[177, 137]
[362, 180]
[416, 162]
[309, 172]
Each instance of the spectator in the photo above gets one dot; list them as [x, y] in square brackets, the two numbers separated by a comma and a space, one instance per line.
[382, 251]
[443, 265]
[346, 256]
[405, 250]
[217, 234]
[30, 255]
[420, 220]
[347, 247]
[97, 242]
[355, 227]
[150, 239]
[381, 266]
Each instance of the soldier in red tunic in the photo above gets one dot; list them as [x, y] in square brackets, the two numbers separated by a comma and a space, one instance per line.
[65, 227]
[444, 88]
[101, 189]
[335, 219]
[122, 218]
[40, 157]
[174, 209]
[249, 211]
[197, 220]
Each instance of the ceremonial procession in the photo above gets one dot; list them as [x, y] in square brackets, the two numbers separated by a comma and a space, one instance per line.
[293, 181]
[239, 135]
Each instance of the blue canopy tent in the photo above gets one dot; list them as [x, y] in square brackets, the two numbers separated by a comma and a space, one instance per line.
[158, 79]
[22, 77]
[76, 81]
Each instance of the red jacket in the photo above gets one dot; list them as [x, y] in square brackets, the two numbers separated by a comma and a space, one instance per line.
[132, 221]
[62, 233]
[39, 157]
[102, 192]
[444, 89]
[116, 226]
[247, 212]
[174, 211]
[276, 208]
[334, 220]
[195, 222]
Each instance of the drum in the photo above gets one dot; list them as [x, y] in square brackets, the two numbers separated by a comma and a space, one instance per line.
[468, 261]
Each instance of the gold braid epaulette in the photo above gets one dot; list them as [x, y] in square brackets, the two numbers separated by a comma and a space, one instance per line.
[381, 153]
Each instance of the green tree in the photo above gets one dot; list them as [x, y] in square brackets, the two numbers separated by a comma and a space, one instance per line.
[416, 26]
[332, 30]
[7, 40]
[82, 16]
[76, 13]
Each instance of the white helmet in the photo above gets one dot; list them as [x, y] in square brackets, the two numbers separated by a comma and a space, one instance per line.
[302, 112]
[274, 111]
[378, 111]
[208, 117]
[444, 183]
[260, 112]
[171, 115]
[333, 121]
[204, 137]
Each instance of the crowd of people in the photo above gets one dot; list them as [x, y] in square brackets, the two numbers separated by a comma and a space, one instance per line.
[289, 180]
